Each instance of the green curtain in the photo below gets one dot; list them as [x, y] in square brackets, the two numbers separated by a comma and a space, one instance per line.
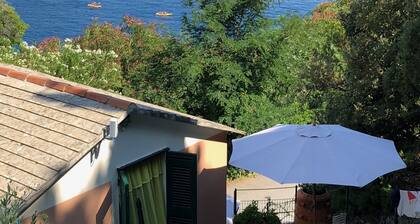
[145, 192]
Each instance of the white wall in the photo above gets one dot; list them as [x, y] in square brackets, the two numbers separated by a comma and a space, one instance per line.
[143, 136]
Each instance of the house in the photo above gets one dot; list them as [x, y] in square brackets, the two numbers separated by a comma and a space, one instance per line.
[83, 155]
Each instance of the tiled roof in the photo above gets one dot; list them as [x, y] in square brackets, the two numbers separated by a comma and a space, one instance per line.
[44, 130]
[47, 124]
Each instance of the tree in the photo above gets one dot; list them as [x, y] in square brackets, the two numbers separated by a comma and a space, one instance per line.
[12, 27]
[381, 94]
[231, 18]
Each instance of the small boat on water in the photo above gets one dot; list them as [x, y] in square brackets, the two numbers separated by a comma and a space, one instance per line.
[164, 13]
[95, 5]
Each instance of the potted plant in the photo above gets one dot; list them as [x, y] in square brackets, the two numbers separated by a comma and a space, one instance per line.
[313, 205]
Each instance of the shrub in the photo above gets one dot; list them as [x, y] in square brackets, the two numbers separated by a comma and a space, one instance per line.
[251, 215]
[12, 27]
[105, 37]
[9, 209]
[95, 68]
[49, 44]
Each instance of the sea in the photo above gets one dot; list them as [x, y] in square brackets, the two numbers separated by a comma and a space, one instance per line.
[68, 18]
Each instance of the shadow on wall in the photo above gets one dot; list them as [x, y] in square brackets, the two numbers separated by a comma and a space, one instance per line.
[93, 206]
[212, 197]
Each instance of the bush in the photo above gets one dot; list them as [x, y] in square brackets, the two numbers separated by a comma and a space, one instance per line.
[105, 37]
[234, 173]
[9, 209]
[50, 44]
[12, 27]
[251, 215]
[95, 68]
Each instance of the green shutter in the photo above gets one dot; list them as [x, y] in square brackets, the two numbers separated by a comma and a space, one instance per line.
[181, 188]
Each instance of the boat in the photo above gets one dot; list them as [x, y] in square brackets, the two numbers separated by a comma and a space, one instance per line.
[95, 5]
[164, 13]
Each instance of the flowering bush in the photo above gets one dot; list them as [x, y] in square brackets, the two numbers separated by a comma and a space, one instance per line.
[50, 44]
[95, 68]
[105, 37]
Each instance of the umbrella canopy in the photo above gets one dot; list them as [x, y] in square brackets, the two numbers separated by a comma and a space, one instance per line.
[318, 154]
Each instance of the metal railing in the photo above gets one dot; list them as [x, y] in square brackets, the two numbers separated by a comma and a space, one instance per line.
[284, 208]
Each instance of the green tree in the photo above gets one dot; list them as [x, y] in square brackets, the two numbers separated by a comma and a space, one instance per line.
[382, 94]
[211, 19]
[379, 93]
[12, 27]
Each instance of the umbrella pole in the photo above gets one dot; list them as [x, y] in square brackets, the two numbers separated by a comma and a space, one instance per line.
[313, 195]
[347, 202]
[235, 195]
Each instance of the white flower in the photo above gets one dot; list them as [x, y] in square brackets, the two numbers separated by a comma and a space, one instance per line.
[113, 54]
[67, 40]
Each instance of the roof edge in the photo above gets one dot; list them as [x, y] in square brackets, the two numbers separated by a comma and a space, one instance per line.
[109, 98]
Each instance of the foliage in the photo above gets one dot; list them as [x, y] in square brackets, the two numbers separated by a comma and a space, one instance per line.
[152, 74]
[234, 173]
[105, 37]
[251, 215]
[94, 68]
[370, 203]
[311, 188]
[380, 94]
[9, 206]
[216, 19]
[50, 44]
[409, 178]
[12, 27]
[9, 209]
[237, 70]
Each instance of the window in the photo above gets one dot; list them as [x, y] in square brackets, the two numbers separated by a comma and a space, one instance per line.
[142, 189]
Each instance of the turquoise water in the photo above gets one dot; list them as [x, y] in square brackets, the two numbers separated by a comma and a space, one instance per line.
[68, 18]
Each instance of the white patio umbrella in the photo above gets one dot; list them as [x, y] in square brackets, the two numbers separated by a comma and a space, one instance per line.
[317, 154]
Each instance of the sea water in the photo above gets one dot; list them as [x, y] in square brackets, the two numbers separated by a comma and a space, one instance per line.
[68, 18]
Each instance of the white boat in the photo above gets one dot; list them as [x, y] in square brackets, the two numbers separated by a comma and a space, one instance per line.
[164, 13]
[95, 5]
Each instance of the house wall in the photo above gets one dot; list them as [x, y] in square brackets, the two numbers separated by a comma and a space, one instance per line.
[211, 186]
[143, 136]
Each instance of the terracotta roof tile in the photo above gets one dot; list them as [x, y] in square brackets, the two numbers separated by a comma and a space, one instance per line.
[17, 74]
[56, 85]
[4, 71]
[35, 79]
[65, 87]
[119, 103]
[76, 90]
[102, 98]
